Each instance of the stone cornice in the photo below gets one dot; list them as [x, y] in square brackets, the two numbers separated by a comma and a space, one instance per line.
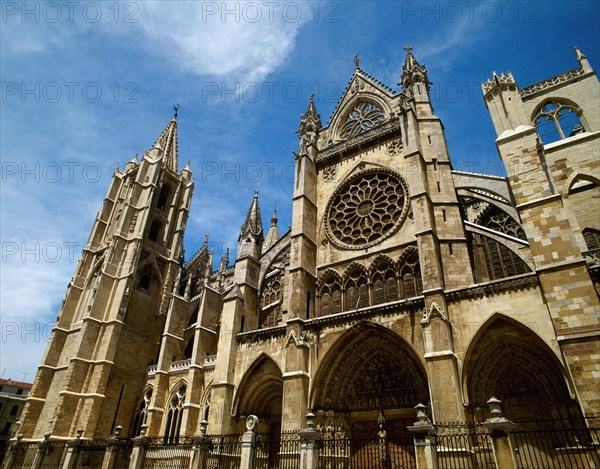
[519, 282]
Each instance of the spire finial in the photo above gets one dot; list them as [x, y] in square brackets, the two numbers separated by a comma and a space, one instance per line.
[176, 109]
[356, 62]
[408, 49]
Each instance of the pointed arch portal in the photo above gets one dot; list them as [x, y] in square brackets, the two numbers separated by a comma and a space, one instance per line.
[261, 390]
[510, 362]
[369, 369]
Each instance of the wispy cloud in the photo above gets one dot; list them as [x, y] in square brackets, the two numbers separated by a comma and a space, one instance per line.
[244, 41]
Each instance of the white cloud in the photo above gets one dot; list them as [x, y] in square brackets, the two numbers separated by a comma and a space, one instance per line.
[239, 40]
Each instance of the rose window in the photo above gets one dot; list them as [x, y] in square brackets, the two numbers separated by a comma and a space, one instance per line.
[366, 209]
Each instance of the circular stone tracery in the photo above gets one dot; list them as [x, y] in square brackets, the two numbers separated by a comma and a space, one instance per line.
[366, 209]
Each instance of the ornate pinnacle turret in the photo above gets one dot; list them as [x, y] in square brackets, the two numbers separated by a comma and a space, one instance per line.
[273, 233]
[167, 143]
[224, 262]
[412, 71]
[253, 224]
[310, 124]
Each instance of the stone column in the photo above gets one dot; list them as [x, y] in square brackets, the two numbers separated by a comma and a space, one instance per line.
[112, 449]
[13, 449]
[139, 449]
[498, 428]
[72, 451]
[201, 446]
[41, 452]
[423, 431]
[249, 443]
[310, 441]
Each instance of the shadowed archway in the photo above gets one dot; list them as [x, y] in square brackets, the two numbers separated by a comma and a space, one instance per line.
[370, 368]
[510, 362]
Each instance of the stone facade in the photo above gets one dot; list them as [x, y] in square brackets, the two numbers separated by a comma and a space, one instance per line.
[401, 281]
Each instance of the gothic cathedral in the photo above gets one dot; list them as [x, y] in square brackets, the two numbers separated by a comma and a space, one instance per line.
[401, 281]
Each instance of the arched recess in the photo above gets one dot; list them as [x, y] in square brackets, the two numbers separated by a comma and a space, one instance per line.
[261, 391]
[576, 179]
[329, 293]
[355, 286]
[509, 361]
[369, 369]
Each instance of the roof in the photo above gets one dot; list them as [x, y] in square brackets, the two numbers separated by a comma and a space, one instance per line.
[16, 384]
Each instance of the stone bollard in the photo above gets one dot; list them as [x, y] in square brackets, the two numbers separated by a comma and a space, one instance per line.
[249, 443]
[139, 449]
[113, 447]
[423, 431]
[201, 447]
[498, 428]
[310, 440]
[72, 450]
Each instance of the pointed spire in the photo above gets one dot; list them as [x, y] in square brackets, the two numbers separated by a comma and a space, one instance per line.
[412, 71]
[310, 124]
[253, 223]
[167, 143]
[273, 233]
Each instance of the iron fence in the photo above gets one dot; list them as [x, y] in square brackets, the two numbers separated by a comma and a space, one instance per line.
[224, 451]
[281, 451]
[160, 454]
[556, 444]
[90, 454]
[366, 450]
[460, 446]
[54, 453]
[123, 448]
[25, 454]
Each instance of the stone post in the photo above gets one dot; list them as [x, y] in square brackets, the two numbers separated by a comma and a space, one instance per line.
[112, 449]
[139, 449]
[41, 452]
[200, 450]
[498, 428]
[423, 433]
[249, 443]
[72, 450]
[310, 440]
[13, 449]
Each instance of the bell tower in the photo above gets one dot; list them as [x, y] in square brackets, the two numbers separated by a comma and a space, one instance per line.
[113, 313]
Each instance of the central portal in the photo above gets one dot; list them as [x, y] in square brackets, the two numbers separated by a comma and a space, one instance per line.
[364, 397]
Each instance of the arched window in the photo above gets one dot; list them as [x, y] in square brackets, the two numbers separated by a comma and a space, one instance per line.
[410, 280]
[155, 229]
[494, 261]
[355, 286]
[592, 238]
[142, 414]
[498, 220]
[330, 294]
[557, 120]
[270, 302]
[175, 414]
[163, 197]
[385, 284]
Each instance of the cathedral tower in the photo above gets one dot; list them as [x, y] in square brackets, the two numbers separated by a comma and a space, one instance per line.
[109, 326]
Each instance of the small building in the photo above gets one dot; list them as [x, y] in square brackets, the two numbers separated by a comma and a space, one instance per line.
[12, 401]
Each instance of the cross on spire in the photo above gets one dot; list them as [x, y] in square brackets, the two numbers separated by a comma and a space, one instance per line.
[408, 49]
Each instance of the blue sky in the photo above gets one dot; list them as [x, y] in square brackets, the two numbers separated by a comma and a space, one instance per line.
[87, 85]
